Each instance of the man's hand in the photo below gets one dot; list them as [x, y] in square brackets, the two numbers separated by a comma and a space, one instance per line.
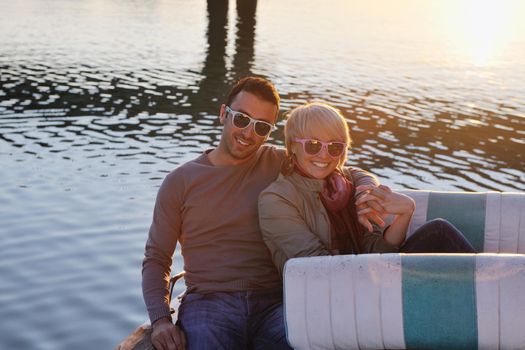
[167, 336]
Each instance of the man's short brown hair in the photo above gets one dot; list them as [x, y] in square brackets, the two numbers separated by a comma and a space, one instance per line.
[258, 86]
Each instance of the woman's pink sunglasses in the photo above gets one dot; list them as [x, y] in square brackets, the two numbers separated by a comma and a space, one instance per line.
[314, 147]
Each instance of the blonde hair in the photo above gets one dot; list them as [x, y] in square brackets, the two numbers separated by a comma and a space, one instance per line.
[312, 120]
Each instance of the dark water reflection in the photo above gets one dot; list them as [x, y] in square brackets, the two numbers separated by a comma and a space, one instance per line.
[99, 100]
[425, 140]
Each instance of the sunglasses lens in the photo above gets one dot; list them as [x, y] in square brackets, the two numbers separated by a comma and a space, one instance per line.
[312, 147]
[240, 120]
[335, 149]
[262, 129]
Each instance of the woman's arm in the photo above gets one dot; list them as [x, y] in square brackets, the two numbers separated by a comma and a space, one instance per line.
[394, 203]
[375, 242]
[285, 231]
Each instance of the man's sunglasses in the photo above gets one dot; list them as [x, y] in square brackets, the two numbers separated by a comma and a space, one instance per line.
[241, 120]
[314, 147]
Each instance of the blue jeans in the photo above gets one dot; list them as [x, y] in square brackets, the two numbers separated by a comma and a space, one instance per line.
[234, 320]
[437, 236]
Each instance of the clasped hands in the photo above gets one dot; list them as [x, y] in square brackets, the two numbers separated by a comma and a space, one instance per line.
[375, 203]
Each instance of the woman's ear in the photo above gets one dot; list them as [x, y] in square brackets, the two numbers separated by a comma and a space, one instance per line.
[288, 164]
[294, 148]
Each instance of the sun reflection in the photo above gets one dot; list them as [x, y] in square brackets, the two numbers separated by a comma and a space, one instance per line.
[480, 29]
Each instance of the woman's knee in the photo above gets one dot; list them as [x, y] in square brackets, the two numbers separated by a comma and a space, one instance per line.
[438, 236]
[440, 225]
[437, 229]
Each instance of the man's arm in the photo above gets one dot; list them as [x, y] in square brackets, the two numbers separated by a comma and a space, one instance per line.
[156, 267]
[361, 177]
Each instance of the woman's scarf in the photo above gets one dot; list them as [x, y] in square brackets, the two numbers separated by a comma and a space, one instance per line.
[338, 200]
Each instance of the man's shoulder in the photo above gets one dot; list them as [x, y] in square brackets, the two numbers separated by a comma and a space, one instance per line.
[186, 170]
[269, 157]
[272, 148]
[269, 160]
[272, 151]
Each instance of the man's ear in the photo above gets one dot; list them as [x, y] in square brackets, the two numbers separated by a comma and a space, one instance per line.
[222, 115]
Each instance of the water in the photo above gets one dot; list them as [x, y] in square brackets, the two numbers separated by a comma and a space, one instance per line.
[99, 100]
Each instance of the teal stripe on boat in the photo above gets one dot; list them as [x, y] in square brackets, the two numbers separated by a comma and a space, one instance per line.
[439, 302]
[450, 206]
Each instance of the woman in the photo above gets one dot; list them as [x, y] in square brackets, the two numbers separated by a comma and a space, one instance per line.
[307, 211]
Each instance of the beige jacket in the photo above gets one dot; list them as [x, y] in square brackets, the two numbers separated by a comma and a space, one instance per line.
[294, 222]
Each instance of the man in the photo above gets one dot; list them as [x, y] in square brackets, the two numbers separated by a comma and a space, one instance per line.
[209, 205]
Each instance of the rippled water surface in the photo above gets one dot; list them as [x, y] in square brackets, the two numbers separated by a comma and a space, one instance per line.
[99, 100]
